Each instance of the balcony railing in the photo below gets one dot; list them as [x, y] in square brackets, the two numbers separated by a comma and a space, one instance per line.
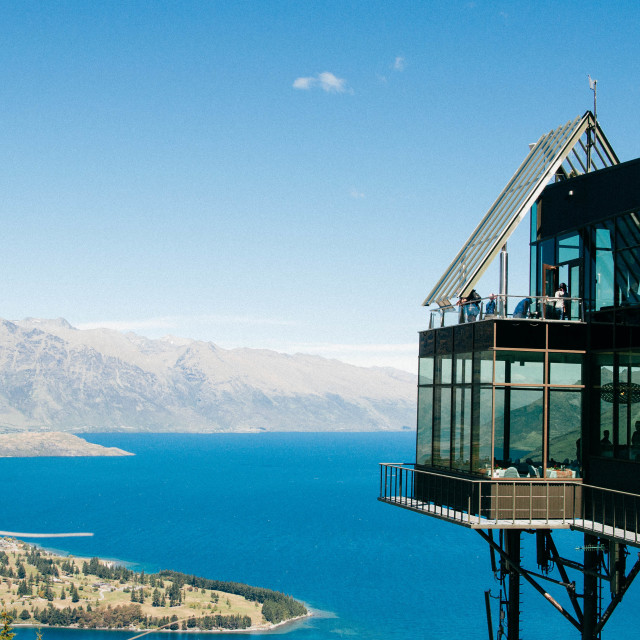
[516, 307]
[513, 503]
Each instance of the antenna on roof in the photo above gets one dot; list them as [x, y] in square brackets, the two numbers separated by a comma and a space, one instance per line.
[593, 85]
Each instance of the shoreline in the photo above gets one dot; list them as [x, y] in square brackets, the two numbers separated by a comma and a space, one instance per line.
[141, 632]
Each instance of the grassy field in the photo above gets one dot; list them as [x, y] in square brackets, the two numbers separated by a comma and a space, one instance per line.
[98, 594]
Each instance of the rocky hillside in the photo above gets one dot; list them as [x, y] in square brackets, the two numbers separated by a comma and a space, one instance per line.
[56, 377]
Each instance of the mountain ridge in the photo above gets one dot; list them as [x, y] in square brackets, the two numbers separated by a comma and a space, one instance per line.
[54, 376]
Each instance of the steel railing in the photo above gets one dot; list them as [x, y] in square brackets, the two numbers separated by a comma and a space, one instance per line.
[539, 308]
[610, 513]
[518, 502]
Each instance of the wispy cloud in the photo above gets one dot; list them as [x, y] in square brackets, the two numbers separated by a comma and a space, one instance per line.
[399, 356]
[326, 81]
[171, 323]
[332, 347]
[399, 63]
[354, 193]
[304, 83]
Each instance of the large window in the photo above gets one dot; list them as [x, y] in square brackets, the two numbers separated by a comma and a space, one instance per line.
[603, 268]
[519, 427]
[565, 368]
[605, 398]
[569, 248]
[519, 367]
[442, 427]
[565, 413]
[425, 374]
[484, 412]
[461, 431]
[481, 439]
[425, 425]
[444, 369]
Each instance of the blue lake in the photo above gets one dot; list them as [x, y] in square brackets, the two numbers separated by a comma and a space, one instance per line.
[292, 512]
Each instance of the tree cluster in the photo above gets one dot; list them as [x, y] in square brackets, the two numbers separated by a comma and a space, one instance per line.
[116, 572]
[279, 605]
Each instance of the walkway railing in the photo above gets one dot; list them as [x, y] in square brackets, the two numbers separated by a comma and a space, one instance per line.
[513, 503]
[508, 307]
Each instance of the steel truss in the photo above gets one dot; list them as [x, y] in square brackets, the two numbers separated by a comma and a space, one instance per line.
[604, 561]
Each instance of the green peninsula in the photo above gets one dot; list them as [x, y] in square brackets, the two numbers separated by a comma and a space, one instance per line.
[40, 588]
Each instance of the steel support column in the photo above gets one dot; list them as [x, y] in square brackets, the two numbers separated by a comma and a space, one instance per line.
[591, 567]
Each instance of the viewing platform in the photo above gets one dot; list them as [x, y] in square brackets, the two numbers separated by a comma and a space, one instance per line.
[514, 503]
[508, 307]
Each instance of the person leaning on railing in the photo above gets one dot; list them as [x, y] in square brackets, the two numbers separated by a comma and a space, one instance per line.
[490, 309]
[522, 308]
[469, 307]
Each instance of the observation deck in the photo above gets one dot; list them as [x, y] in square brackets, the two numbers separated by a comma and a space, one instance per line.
[513, 503]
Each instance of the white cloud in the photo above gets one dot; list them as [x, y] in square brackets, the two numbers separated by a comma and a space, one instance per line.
[326, 81]
[331, 83]
[399, 63]
[354, 193]
[303, 83]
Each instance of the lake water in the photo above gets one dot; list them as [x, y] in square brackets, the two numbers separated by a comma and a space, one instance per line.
[292, 512]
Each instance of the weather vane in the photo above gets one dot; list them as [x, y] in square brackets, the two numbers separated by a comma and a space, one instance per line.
[593, 85]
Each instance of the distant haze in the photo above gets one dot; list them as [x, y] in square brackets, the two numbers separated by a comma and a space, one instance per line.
[56, 377]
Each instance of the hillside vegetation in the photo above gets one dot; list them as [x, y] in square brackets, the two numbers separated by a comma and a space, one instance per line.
[40, 588]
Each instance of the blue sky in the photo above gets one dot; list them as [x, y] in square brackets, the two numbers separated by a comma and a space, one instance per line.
[287, 175]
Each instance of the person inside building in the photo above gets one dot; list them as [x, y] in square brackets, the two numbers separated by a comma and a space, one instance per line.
[606, 446]
[635, 443]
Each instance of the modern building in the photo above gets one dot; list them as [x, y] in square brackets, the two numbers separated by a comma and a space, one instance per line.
[529, 405]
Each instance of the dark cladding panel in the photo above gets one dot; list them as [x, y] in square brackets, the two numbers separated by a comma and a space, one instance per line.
[567, 336]
[619, 475]
[629, 316]
[573, 203]
[520, 335]
[427, 343]
[444, 340]
[483, 335]
[635, 336]
[622, 337]
[463, 338]
[601, 336]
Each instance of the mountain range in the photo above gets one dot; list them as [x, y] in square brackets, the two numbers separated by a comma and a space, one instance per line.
[54, 377]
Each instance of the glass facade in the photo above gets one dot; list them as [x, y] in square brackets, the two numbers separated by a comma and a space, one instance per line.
[616, 421]
[599, 262]
[497, 411]
[548, 398]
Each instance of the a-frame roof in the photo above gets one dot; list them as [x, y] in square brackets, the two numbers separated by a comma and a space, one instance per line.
[577, 147]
